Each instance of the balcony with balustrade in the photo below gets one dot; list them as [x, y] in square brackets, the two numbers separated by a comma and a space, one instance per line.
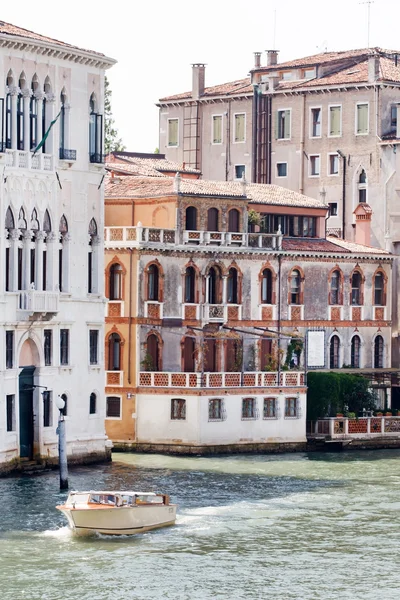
[128, 237]
[251, 379]
[32, 303]
[23, 159]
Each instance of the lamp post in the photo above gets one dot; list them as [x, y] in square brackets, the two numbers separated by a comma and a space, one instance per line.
[62, 444]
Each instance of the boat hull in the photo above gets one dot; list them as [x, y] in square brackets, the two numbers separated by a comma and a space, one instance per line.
[119, 520]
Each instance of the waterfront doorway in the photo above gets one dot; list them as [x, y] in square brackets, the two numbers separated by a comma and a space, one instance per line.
[26, 421]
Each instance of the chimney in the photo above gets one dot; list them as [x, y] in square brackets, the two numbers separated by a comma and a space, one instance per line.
[198, 78]
[177, 183]
[363, 214]
[373, 67]
[257, 60]
[272, 57]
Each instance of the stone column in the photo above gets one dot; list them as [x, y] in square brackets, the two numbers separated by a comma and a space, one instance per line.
[39, 129]
[52, 140]
[224, 289]
[26, 259]
[66, 248]
[14, 91]
[14, 239]
[27, 138]
[40, 237]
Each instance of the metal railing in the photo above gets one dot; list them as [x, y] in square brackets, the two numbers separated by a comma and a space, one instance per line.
[67, 154]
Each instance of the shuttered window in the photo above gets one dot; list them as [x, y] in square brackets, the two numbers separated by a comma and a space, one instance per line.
[283, 125]
[217, 129]
[173, 132]
[240, 127]
[335, 118]
[362, 118]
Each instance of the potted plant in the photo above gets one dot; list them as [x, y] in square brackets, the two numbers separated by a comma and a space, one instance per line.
[379, 414]
[351, 415]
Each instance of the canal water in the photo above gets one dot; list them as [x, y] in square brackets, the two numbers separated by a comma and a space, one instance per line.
[299, 526]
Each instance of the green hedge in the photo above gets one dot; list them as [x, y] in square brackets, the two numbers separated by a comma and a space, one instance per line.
[332, 393]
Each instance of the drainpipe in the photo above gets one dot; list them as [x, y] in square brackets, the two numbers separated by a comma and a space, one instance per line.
[228, 135]
[254, 133]
[385, 223]
[269, 142]
[343, 157]
[130, 314]
[302, 123]
[279, 316]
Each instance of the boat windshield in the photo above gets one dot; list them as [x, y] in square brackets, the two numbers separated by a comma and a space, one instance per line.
[147, 499]
[103, 499]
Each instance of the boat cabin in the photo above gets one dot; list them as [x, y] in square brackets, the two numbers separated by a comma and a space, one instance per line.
[117, 499]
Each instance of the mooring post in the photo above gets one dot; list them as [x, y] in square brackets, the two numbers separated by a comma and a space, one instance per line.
[62, 445]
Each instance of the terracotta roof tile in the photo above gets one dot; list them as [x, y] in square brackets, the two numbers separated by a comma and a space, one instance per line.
[353, 247]
[14, 31]
[240, 86]
[310, 245]
[155, 165]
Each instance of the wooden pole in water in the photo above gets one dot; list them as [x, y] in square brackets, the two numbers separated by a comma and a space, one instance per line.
[62, 445]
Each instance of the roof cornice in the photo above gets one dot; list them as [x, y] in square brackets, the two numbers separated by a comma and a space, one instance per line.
[49, 49]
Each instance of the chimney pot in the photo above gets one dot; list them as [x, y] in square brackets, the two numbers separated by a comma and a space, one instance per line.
[198, 80]
[373, 68]
[272, 57]
[257, 60]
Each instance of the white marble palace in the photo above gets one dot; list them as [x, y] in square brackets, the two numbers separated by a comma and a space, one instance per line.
[51, 247]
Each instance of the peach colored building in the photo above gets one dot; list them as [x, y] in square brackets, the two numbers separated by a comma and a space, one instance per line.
[212, 321]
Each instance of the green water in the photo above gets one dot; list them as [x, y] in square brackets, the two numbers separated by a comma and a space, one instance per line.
[299, 526]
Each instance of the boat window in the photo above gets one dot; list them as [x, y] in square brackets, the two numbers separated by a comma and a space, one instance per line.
[103, 499]
[126, 500]
[78, 498]
[144, 499]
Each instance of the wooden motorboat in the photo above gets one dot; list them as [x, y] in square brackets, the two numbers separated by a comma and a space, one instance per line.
[117, 513]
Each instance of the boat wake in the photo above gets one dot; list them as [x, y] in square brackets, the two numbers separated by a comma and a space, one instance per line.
[60, 533]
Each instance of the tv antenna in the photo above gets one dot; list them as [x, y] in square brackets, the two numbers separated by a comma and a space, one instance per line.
[368, 3]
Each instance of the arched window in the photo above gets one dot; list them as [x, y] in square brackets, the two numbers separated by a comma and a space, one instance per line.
[214, 286]
[92, 404]
[9, 226]
[232, 288]
[356, 289]
[9, 222]
[20, 112]
[233, 220]
[335, 296]
[91, 262]
[191, 219]
[189, 355]
[64, 411]
[212, 219]
[379, 290]
[114, 352]
[153, 283]
[362, 187]
[153, 353]
[266, 287]
[9, 109]
[295, 289]
[45, 123]
[115, 282]
[63, 122]
[334, 352]
[210, 355]
[46, 222]
[62, 259]
[355, 352]
[190, 285]
[378, 352]
[95, 132]
[33, 124]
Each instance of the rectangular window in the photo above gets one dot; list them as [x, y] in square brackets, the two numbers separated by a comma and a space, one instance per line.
[291, 408]
[362, 125]
[217, 129]
[393, 116]
[335, 121]
[90, 272]
[281, 169]
[9, 349]
[64, 346]
[316, 122]
[10, 415]
[240, 127]
[333, 164]
[47, 409]
[315, 165]
[48, 347]
[94, 346]
[240, 171]
[270, 408]
[178, 409]
[93, 403]
[333, 209]
[7, 282]
[173, 125]
[309, 73]
[283, 125]
[113, 407]
[249, 408]
[215, 409]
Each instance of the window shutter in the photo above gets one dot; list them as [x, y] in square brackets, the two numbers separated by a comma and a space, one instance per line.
[217, 129]
[2, 120]
[286, 134]
[239, 128]
[334, 120]
[362, 118]
[277, 124]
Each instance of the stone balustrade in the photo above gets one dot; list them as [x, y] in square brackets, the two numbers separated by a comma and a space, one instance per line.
[23, 159]
[259, 379]
[347, 428]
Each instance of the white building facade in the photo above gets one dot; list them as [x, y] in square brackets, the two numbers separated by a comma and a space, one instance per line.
[51, 248]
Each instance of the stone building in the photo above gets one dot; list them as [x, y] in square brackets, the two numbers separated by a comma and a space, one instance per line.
[51, 247]
[323, 125]
[208, 324]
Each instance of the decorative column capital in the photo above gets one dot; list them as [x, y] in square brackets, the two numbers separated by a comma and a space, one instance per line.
[27, 234]
[13, 90]
[26, 93]
[51, 237]
[96, 240]
[50, 97]
[14, 234]
[40, 236]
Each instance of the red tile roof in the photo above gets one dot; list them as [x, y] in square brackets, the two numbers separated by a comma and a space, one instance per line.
[310, 245]
[153, 165]
[233, 88]
[13, 31]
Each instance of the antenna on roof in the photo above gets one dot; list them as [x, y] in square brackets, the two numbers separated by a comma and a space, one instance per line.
[323, 47]
[274, 46]
[368, 3]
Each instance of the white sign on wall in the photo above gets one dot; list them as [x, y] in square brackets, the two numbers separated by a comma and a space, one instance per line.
[315, 349]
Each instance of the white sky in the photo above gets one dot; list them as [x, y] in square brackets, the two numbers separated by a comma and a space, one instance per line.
[155, 42]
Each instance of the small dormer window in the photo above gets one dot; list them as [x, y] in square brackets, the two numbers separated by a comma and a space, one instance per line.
[309, 73]
[287, 75]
